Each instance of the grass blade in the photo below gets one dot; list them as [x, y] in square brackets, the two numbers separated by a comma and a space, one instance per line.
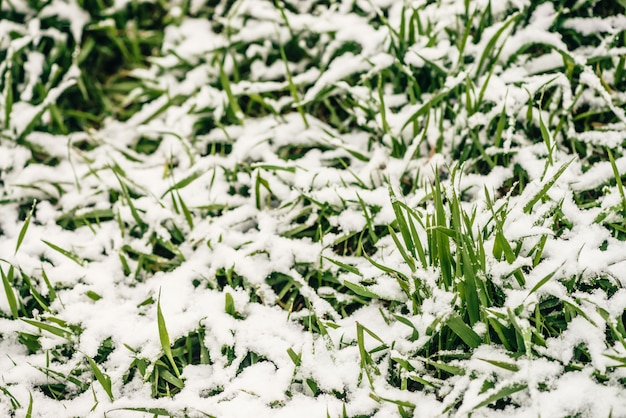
[103, 379]
[8, 291]
[360, 290]
[344, 266]
[66, 253]
[618, 179]
[184, 182]
[528, 207]
[52, 329]
[295, 357]
[460, 328]
[502, 393]
[165, 338]
[20, 237]
[425, 108]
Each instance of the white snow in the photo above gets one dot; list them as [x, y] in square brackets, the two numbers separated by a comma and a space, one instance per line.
[262, 193]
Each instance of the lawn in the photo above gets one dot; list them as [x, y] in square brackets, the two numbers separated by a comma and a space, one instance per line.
[312, 208]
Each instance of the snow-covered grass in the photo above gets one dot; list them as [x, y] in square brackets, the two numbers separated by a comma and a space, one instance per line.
[312, 208]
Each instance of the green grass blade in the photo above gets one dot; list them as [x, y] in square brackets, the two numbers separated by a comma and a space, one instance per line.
[24, 228]
[618, 179]
[460, 328]
[455, 370]
[292, 87]
[34, 293]
[296, 358]
[8, 291]
[543, 281]
[229, 305]
[29, 411]
[407, 259]
[528, 207]
[425, 108]
[8, 101]
[360, 290]
[502, 364]
[184, 182]
[66, 253]
[384, 268]
[103, 379]
[157, 412]
[52, 294]
[52, 329]
[501, 394]
[344, 266]
[487, 52]
[547, 138]
[165, 338]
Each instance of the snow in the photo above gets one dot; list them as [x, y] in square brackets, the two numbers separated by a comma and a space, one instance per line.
[591, 25]
[253, 233]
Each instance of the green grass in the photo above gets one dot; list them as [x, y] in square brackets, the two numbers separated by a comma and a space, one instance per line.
[434, 220]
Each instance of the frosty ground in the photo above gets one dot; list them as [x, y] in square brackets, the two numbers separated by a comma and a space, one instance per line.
[364, 208]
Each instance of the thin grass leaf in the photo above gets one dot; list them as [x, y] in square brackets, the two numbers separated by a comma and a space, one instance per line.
[75, 258]
[260, 181]
[296, 358]
[184, 182]
[186, 212]
[502, 364]
[397, 402]
[34, 293]
[273, 167]
[415, 240]
[164, 337]
[29, 411]
[367, 362]
[409, 324]
[618, 179]
[423, 381]
[52, 329]
[455, 370]
[360, 290]
[528, 207]
[487, 52]
[166, 375]
[292, 87]
[440, 249]
[402, 223]
[407, 259]
[103, 379]
[8, 95]
[543, 281]
[502, 119]
[52, 294]
[7, 281]
[344, 266]
[133, 211]
[229, 305]
[460, 328]
[425, 108]
[501, 394]
[24, 228]
[389, 270]
[14, 402]
[161, 412]
[368, 220]
[547, 138]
